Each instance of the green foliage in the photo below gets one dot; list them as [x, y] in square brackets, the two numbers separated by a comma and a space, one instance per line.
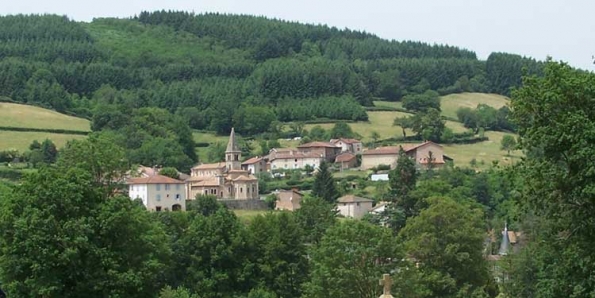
[422, 102]
[315, 217]
[446, 239]
[555, 124]
[324, 184]
[508, 143]
[350, 259]
[169, 172]
[342, 130]
[204, 205]
[61, 211]
[280, 253]
[168, 292]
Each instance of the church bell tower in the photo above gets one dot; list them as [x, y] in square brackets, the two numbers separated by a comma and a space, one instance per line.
[233, 153]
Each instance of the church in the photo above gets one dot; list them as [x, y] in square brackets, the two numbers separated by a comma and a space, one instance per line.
[225, 180]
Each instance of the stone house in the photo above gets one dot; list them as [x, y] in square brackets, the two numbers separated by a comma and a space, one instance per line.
[226, 180]
[353, 206]
[288, 200]
[291, 159]
[255, 165]
[346, 160]
[425, 155]
[158, 193]
[325, 149]
[349, 145]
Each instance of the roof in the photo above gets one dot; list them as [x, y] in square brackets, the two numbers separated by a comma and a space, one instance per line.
[346, 141]
[352, 199]
[155, 179]
[232, 145]
[294, 155]
[209, 166]
[512, 237]
[318, 144]
[395, 149]
[245, 178]
[344, 157]
[252, 160]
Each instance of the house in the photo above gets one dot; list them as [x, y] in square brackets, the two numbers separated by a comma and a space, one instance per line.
[290, 158]
[427, 154]
[143, 171]
[226, 180]
[288, 200]
[346, 160]
[255, 165]
[325, 149]
[158, 193]
[352, 206]
[349, 145]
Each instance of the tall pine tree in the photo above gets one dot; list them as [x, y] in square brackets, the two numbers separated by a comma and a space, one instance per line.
[402, 181]
[324, 184]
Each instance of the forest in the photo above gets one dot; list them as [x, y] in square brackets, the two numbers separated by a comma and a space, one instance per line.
[207, 68]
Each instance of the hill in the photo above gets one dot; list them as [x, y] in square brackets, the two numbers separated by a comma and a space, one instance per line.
[26, 116]
[451, 103]
[209, 68]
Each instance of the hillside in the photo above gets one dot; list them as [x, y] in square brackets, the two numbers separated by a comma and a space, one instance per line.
[210, 68]
[26, 116]
[451, 103]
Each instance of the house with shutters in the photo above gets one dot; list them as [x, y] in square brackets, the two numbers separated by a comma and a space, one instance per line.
[225, 180]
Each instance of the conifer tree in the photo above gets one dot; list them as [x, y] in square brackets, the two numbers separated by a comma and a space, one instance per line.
[402, 181]
[324, 184]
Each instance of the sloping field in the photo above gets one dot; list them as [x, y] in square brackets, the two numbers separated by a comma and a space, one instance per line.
[18, 115]
[485, 151]
[20, 140]
[451, 103]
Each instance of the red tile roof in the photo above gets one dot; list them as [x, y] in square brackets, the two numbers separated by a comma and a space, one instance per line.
[318, 144]
[252, 160]
[352, 199]
[156, 179]
[346, 141]
[345, 157]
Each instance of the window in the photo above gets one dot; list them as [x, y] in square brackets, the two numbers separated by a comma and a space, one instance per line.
[247, 189]
[177, 196]
[253, 188]
[236, 157]
[158, 208]
[295, 160]
[158, 198]
[166, 186]
[357, 204]
[241, 190]
[158, 186]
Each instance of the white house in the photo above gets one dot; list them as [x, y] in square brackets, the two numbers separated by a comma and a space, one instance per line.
[158, 193]
[255, 165]
[352, 206]
[349, 145]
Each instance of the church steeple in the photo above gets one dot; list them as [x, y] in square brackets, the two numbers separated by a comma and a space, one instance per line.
[233, 153]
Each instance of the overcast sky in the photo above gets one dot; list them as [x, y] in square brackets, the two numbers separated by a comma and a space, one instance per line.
[561, 29]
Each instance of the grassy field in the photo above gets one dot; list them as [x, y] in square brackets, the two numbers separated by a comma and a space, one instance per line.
[21, 140]
[18, 115]
[485, 151]
[451, 103]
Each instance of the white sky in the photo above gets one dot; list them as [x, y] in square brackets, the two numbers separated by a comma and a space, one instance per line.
[560, 29]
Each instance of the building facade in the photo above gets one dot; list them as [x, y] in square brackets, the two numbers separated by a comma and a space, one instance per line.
[425, 155]
[290, 200]
[352, 206]
[326, 150]
[349, 145]
[225, 180]
[158, 193]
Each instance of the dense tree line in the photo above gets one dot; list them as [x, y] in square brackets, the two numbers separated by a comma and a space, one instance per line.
[206, 66]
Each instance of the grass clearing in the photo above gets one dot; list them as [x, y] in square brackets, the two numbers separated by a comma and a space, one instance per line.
[487, 152]
[203, 137]
[246, 216]
[19, 115]
[20, 140]
[449, 104]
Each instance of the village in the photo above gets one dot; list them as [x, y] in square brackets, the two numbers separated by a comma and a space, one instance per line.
[234, 182]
